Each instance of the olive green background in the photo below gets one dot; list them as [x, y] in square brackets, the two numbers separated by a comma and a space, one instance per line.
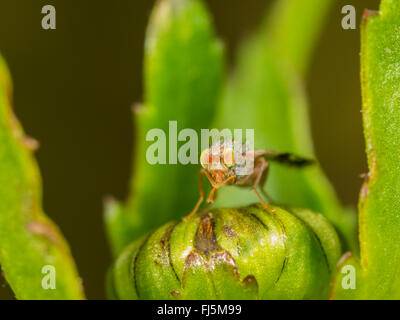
[74, 88]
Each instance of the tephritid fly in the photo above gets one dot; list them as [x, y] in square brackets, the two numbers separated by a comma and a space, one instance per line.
[228, 162]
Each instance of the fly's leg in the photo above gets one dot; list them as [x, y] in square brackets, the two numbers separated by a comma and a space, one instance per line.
[261, 169]
[201, 187]
[262, 182]
[264, 193]
[210, 198]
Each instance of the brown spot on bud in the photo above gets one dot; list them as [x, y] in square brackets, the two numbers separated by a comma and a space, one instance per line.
[229, 232]
[224, 258]
[206, 241]
[250, 280]
[175, 293]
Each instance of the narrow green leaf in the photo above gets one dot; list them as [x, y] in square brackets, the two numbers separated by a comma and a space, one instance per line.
[29, 240]
[379, 204]
[183, 76]
[294, 28]
[267, 95]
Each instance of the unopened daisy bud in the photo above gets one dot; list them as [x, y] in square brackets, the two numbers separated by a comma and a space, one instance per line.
[247, 253]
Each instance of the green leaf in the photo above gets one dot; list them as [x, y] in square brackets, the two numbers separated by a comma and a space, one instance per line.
[379, 205]
[183, 73]
[266, 94]
[28, 239]
[294, 27]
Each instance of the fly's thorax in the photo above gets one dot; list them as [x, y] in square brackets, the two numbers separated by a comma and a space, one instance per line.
[222, 175]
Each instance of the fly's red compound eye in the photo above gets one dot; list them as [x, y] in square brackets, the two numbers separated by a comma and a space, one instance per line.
[229, 157]
[205, 158]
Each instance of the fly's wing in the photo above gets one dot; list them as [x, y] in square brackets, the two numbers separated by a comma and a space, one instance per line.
[285, 158]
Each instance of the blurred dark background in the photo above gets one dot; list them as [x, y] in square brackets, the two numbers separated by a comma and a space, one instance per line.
[74, 87]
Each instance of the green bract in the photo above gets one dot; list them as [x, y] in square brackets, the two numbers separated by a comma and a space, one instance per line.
[377, 268]
[29, 240]
[245, 253]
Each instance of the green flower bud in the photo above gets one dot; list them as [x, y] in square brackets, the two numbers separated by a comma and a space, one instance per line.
[246, 253]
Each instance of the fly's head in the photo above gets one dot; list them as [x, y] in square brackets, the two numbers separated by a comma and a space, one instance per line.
[222, 159]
